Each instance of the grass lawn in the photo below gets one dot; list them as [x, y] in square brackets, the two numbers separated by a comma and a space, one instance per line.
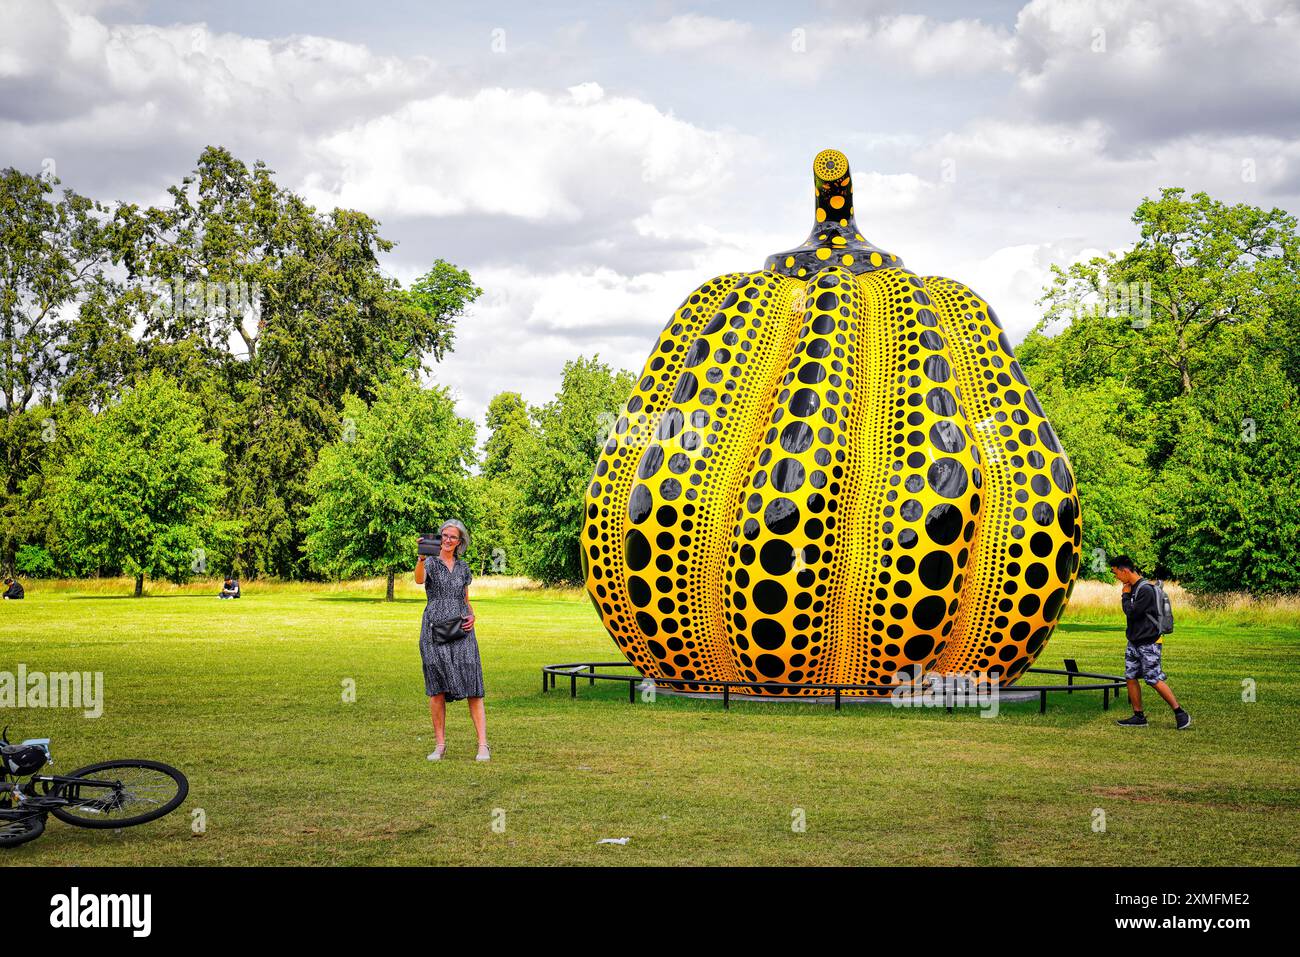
[246, 698]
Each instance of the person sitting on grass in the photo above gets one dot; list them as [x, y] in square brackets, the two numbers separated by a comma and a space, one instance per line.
[1142, 657]
[13, 590]
[230, 589]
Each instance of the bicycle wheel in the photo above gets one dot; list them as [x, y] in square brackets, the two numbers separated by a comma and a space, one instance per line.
[19, 827]
[132, 792]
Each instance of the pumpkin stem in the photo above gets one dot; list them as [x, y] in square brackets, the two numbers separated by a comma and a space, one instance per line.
[834, 187]
[835, 240]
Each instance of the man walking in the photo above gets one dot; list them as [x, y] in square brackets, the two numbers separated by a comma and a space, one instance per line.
[1142, 657]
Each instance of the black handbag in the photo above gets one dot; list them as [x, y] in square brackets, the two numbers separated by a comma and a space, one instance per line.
[445, 632]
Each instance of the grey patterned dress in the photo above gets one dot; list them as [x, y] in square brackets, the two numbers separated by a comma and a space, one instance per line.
[453, 668]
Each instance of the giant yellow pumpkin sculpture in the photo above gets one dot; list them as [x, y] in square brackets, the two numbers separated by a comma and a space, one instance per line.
[832, 471]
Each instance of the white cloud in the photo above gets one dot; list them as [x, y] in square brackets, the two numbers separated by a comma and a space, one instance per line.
[1223, 66]
[921, 44]
[528, 325]
[1073, 166]
[70, 65]
[345, 126]
[827, 49]
[690, 31]
[515, 153]
[1153, 70]
[585, 94]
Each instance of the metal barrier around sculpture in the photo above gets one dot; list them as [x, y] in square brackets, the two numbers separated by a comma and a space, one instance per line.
[575, 671]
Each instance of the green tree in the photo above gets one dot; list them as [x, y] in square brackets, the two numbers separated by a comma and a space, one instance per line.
[1152, 353]
[49, 251]
[1209, 275]
[33, 561]
[507, 422]
[495, 488]
[435, 301]
[236, 258]
[554, 461]
[101, 355]
[32, 442]
[1232, 514]
[399, 468]
[493, 544]
[139, 490]
[1104, 431]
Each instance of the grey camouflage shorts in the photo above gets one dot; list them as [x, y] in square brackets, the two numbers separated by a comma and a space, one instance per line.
[1143, 661]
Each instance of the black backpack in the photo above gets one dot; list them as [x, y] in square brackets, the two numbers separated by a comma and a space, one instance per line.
[1163, 618]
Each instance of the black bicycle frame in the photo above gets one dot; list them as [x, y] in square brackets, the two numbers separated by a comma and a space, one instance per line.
[44, 800]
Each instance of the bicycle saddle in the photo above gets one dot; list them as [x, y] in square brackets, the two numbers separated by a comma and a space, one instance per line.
[22, 758]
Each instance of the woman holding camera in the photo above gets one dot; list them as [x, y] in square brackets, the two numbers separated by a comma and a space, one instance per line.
[448, 646]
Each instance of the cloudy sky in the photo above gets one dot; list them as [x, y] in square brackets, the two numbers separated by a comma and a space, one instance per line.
[591, 163]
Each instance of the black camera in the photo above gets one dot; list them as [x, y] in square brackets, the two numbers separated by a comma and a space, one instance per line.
[430, 543]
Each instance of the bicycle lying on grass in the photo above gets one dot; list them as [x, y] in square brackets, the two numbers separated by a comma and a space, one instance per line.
[110, 794]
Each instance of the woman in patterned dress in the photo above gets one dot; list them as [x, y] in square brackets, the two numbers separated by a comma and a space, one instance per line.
[452, 670]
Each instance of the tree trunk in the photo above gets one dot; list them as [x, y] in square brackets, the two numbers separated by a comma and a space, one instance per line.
[1184, 366]
[389, 596]
[139, 585]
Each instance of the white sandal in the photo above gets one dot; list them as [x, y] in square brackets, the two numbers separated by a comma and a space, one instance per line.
[484, 754]
[436, 755]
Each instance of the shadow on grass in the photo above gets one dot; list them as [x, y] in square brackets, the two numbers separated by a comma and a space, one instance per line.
[363, 600]
[143, 597]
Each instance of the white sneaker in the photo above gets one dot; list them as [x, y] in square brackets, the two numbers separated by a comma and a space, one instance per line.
[484, 754]
[437, 755]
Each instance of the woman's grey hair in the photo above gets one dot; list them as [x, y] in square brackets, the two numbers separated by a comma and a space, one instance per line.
[464, 535]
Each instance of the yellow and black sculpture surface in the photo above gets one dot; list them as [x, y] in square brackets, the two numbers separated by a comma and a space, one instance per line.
[831, 471]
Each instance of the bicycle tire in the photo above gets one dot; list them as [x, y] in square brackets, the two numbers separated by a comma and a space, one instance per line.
[18, 827]
[69, 815]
